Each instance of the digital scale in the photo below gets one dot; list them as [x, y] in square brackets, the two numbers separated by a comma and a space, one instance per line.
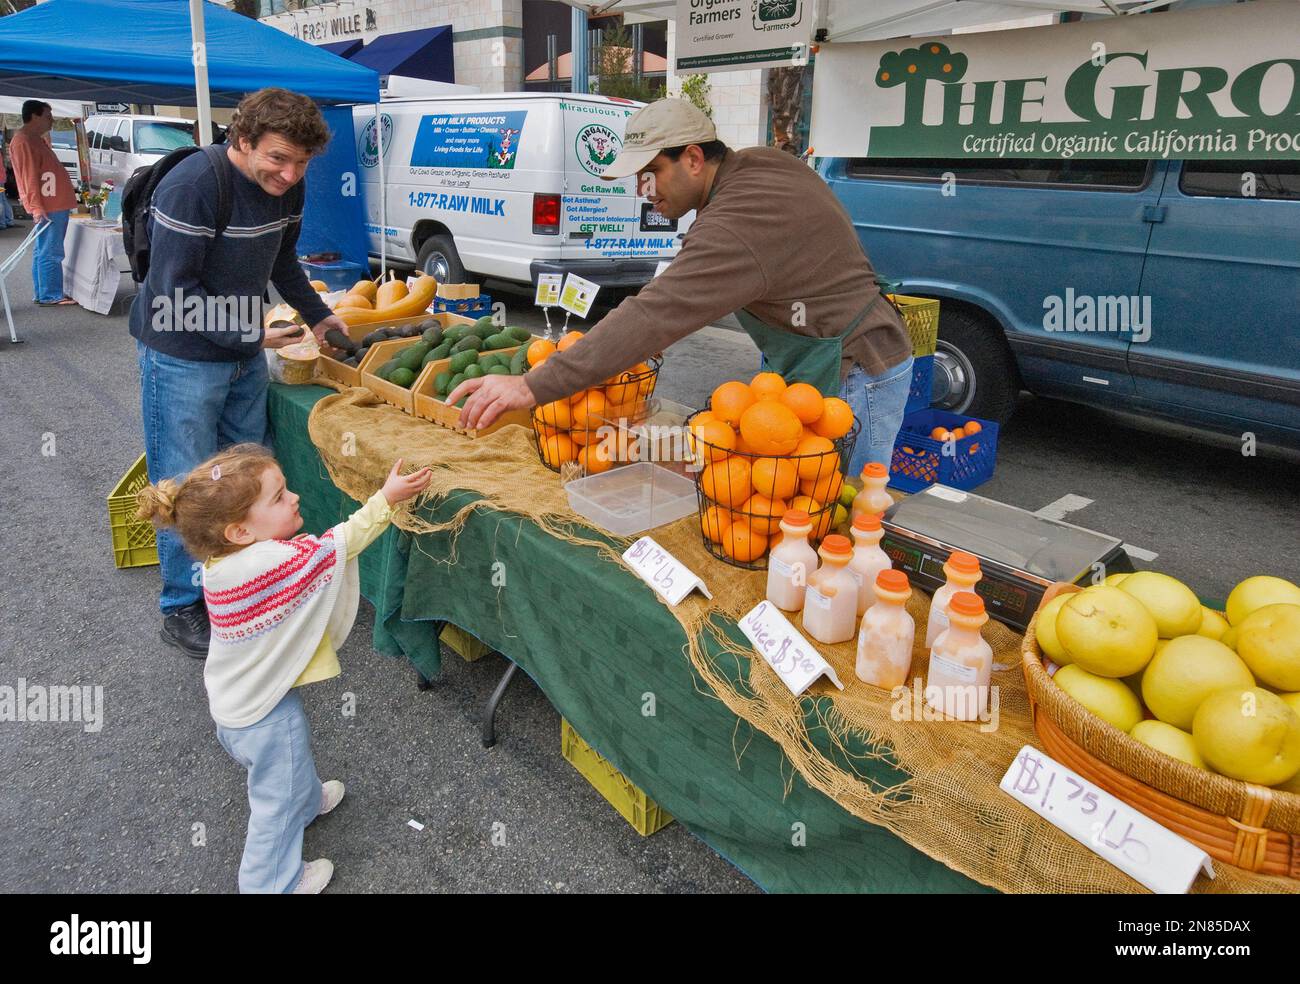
[1021, 554]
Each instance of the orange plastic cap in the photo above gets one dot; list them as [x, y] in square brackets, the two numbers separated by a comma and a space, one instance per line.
[966, 603]
[874, 469]
[837, 546]
[869, 522]
[892, 581]
[963, 562]
[797, 517]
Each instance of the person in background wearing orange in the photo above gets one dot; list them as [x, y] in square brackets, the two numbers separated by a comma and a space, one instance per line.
[46, 193]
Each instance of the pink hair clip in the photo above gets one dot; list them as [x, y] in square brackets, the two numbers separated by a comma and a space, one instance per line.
[216, 473]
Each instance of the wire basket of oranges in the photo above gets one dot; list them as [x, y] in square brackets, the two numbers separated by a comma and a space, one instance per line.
[590, 428]
[761, 448]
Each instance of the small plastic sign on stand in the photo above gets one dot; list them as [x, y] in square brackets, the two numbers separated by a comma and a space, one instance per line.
[1131, 841]
[548, 295]
[577, 296]
[670, 578]
[793, 658]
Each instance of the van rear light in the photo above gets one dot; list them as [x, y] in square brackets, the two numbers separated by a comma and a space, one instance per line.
[546, 215]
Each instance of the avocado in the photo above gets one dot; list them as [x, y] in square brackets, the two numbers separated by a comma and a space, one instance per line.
[456, 380]
[442, 383]
[473, 372]
[412, 358]
[443, 351]
[455, 333]
[402, 377]
[468, 342]
[461, 360]
[485, 322]
[388, 368]
[499, 341]
[432, 336]
[520, 335]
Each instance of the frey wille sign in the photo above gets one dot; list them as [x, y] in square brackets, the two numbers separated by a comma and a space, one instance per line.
[1212, 84]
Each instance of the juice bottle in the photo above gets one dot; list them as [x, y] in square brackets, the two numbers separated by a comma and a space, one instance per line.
[868, 559]
[963, 570]
[885, 640]
[873, 499]
[791, 562]
[961, 662]
[830, 612]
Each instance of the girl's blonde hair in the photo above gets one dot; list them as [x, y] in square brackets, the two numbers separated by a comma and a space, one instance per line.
[200, 506]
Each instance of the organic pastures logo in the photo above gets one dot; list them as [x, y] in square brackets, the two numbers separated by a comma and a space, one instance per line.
[368, 150]
[597, 146]
[776, 15]
[1168, 113]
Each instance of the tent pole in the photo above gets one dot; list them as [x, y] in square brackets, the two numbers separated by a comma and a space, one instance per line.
[383, 195]
[200, 59]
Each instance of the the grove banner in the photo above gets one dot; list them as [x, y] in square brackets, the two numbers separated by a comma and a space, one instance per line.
[1219, 83]
[729, 35]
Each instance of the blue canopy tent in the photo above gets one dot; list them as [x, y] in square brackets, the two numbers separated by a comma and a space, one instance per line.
[143, 52]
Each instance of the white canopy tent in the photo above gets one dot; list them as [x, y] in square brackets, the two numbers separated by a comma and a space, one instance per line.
[64, 109]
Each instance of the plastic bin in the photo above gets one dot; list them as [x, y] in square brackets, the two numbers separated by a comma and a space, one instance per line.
[918, 395]
[336, 275]
[471, 307]
[630, 500]
[920, 461]
[134, 543]
[644, 814]
[921, 318]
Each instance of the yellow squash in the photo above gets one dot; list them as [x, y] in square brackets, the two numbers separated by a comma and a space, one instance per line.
[410, 305]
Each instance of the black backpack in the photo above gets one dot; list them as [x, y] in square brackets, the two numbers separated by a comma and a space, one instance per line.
[138, 193]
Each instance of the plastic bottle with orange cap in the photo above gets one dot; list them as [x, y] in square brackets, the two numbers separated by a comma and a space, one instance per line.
[868, 559]
[873, 499]
[963, 571]
[830, 611]
[887, 634]
[791, 562]
[961, 662]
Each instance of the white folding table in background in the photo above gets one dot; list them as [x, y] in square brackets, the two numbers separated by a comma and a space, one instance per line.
[94, 259]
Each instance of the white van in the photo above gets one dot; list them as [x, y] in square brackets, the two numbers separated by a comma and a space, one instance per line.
[508, 186]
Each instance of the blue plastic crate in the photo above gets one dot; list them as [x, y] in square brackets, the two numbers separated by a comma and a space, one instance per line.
[336, 275]
[920, 461]
[473, 307]
[918, 395]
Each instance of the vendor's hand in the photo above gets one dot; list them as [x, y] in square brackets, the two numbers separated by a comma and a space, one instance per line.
[333, 321]
[277, 338]
[489, 398]
[398, 488]
[39, 215]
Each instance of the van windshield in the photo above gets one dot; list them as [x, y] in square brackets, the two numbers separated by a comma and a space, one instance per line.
[63, 138]
[162, 138]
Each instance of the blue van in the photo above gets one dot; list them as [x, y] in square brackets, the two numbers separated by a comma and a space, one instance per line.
[1169, 288]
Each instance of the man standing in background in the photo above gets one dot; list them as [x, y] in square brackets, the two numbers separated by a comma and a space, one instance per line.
[46, 193]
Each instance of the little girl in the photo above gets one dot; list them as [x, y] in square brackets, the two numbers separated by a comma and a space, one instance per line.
[279, 606]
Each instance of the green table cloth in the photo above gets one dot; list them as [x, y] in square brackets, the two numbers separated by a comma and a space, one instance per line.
[609, 656]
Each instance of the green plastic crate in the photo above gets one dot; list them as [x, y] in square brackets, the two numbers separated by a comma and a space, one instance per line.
[921, 316]
[134, 544]
[644, 814]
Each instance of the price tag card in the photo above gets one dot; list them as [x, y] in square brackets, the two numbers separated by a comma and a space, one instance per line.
[1131, 841]
[578, 295]
[795, 660]
[548, 289]
[662, 571]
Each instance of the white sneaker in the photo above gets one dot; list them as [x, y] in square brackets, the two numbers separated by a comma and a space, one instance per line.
[331, 793]
[315, 876]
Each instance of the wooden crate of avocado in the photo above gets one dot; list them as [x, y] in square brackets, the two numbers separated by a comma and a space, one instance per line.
[342, 361]
[443, 376]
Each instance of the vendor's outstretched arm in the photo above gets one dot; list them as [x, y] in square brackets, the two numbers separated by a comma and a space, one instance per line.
[715, 274]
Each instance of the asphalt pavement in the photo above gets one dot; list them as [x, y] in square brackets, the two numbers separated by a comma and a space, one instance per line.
[150, 803]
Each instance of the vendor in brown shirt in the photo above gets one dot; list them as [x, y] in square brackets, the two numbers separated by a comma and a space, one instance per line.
[771, 244]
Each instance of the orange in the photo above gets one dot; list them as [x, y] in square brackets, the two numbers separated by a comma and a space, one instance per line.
[595, 458]
[741, 445]
[544, 431]
[714, 522]
[770, 427]
[584, 437]
[776, 478]
[558, 414]
[588, 410]
[767, 386]
[715, 440]
[804, 400]
[558, 449]
[622, 391]
[959, 433]
[702, 416]
[727, 482]
[763, 514]
[742, 543]
[824, 489]
[730, 401]
[836, 418]
[826, 459]
[973, 427]
[540, 351]
[820, 515]
[568, 341]
[940, 434]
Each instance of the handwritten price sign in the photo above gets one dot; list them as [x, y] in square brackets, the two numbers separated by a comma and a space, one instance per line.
[795, 660]
[662, 571]
[1131, 841]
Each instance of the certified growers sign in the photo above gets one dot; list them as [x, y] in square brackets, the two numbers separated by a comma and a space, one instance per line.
[725, 35]
[1221, 83]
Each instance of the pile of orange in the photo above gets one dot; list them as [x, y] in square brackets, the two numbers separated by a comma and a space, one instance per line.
[766, 447]
[957, 433]
[570, 429]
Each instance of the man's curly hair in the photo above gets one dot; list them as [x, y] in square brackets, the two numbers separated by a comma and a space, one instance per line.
[288, 114]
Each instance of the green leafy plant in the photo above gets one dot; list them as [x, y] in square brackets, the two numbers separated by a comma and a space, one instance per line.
[695, 89]
[614, 74]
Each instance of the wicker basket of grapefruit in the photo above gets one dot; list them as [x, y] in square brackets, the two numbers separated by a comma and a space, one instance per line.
[761, 448]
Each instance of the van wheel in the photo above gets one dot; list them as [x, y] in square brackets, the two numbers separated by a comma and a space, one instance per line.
[438, 258]
[974, 371]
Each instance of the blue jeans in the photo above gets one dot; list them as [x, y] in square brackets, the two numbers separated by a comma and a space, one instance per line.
[47, 259]
[284, 794]
[877, 402]
[6, 211]
[191, 411]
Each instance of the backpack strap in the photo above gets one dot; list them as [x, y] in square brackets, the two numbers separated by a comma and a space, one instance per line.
[221, 165]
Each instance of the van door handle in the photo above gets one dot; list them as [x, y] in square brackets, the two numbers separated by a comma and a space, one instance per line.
[1153, 213]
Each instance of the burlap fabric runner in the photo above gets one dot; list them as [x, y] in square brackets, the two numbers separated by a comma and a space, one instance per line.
[951, 808]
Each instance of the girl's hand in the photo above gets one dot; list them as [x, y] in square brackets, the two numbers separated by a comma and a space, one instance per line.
[398, 488]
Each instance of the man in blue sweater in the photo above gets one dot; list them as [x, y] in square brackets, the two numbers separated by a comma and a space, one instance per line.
[197, 318]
